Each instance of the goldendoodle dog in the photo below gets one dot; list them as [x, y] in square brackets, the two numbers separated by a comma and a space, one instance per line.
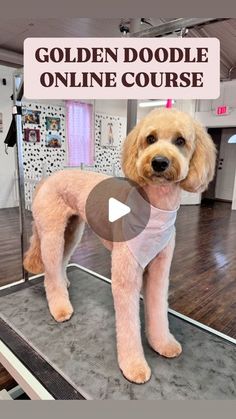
[167, 151]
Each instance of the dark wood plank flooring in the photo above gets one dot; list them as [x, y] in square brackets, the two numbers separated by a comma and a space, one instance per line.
[203, 274]
[6, 381]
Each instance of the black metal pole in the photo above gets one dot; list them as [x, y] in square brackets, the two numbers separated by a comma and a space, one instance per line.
[17, 112]
[131, 114]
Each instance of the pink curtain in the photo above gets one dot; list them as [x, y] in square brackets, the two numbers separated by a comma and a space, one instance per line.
[79, 133]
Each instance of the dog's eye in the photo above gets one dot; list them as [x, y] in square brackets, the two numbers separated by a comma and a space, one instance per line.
[151, 139]
[180, 141]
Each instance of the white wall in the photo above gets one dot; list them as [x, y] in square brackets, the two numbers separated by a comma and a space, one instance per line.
[8, 174]
[118, 108]
[206, 114]
[206, 108]
[111, 107]
[7, 162]
[234, 196]
[227, 88]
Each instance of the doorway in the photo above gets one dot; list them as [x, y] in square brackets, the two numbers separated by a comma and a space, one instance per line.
[222, 186]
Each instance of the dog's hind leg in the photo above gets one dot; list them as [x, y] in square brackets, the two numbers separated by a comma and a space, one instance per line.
[32, 258]
[73, 234]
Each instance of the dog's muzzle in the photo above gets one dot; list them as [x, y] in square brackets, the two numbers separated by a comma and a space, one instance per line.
[160, 164]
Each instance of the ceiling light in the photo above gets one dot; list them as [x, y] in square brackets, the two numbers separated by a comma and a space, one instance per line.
[152, 103]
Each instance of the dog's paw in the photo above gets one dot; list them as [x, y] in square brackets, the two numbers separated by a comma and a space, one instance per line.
[61, 311]
[169, 348]
[136, 371]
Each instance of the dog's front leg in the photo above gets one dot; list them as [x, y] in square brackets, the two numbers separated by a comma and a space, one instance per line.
[126, 285]
[156, 283]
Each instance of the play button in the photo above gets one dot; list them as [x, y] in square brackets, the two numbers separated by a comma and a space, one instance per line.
[117, 209]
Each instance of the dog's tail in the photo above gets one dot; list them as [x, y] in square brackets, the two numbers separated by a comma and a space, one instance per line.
[32, 258]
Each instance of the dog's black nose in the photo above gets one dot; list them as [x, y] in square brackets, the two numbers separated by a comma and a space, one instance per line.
[160, 163]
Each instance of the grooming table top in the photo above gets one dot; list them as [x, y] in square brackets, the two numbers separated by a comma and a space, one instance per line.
[77, 359]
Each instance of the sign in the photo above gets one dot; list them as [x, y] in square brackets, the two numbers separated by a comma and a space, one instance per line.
[222, 110]
[121, 68]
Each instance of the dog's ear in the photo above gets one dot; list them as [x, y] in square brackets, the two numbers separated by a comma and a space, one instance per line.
[202, 165]
[130, 154]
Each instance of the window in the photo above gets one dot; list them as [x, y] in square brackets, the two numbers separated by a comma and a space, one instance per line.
[79, 132]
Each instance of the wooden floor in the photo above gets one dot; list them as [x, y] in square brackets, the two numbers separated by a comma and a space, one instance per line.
[203, 274]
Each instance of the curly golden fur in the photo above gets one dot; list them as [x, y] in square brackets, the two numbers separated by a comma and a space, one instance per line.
[192, 164]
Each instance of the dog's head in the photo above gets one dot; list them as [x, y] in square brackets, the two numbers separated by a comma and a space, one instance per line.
[169, 146]
[53, 124]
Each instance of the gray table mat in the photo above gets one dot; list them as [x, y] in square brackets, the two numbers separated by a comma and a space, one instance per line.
[83, 349]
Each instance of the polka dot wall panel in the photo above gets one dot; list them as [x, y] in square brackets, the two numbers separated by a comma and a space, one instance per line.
[40, 160]
[38, 157]
[108, 159]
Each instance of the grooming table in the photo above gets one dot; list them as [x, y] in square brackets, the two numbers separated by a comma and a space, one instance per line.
[77, 359]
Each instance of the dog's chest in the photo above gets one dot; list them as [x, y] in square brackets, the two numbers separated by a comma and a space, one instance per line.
[155, 234]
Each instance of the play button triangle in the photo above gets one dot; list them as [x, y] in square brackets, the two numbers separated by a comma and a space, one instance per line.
[112, 204]
[116, 209]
